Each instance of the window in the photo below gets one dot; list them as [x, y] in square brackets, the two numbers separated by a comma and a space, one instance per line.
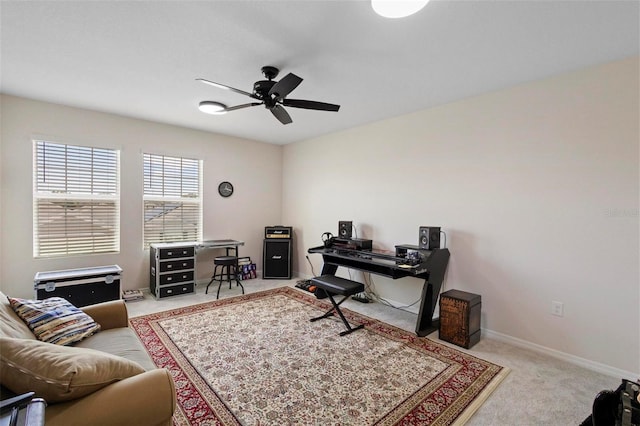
[172, 200]
[76, 200]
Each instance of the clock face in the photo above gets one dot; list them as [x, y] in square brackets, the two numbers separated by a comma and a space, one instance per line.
[225, 189]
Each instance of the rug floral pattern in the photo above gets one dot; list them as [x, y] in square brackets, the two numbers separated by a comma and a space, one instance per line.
[257, 360]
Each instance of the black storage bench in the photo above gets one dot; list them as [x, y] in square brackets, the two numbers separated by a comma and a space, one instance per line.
[330, 285]
[82, 286]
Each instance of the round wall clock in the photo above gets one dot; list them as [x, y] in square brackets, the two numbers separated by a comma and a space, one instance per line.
[225, 189]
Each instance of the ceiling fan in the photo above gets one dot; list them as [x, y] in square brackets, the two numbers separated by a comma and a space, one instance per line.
[272, 94]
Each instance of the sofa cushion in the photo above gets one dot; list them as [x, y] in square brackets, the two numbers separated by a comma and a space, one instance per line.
[120, 342]
[11, 325]
[59, 373]
[54, 320]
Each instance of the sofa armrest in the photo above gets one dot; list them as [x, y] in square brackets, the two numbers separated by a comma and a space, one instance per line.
[109, 315]
[145, 399]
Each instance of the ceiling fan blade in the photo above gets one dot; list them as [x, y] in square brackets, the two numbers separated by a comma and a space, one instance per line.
[301, 103]
[281, 114]
[222, 86]
[233, 108]
[285, 86]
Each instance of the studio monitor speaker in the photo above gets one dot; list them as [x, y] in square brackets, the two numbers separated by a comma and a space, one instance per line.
[429, 237]
[276, 259]
[344, 229]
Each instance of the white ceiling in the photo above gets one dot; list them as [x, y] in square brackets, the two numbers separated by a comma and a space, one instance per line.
[141, 58]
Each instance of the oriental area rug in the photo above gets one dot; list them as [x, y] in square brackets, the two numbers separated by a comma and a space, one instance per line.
[257, 360]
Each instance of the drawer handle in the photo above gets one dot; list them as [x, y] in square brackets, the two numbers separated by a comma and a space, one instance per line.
[184, 264]
[169, 253]
[169, 291]
[184, 276]
[169, 278]
[169, 266]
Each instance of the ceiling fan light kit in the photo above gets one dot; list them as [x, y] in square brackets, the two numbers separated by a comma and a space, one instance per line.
[397, 8]
[210, 107]
[272, 94]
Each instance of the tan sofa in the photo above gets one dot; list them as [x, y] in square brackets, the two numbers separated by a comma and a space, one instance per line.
[148, 397]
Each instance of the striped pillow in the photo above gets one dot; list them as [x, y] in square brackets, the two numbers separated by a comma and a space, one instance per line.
[54, 320]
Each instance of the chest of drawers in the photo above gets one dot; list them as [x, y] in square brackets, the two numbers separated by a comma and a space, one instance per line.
[172, 269]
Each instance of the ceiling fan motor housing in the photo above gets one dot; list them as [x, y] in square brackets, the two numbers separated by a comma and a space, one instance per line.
[261, 90]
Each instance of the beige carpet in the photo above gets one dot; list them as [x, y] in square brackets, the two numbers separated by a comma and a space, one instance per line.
[257, 360]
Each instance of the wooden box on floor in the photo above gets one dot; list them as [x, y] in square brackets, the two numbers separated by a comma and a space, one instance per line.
[460, 318]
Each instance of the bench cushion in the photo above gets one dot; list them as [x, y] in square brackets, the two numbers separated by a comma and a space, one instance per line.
[338, 285]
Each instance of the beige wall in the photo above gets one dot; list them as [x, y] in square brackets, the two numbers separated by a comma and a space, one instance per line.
[536, 187]
[254, 168]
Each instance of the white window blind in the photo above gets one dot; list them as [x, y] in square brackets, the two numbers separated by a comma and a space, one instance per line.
[172, 199]
[76, 200]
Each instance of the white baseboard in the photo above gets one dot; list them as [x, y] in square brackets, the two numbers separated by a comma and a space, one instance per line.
[582, 362]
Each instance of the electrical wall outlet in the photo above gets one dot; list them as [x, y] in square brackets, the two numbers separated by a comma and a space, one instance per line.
[557, 308]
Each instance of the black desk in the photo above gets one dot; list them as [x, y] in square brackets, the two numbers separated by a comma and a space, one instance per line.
[432, 269]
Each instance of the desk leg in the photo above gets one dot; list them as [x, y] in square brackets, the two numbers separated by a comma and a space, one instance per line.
[235, 248]
[426, 324]
[437, 265]
[329, 268]
[237, 271]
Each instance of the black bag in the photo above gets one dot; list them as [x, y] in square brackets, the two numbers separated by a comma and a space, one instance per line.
[616, 408]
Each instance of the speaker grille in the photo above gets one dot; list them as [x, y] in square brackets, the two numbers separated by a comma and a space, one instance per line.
[277, 259]
[344, 229]
[429, 237]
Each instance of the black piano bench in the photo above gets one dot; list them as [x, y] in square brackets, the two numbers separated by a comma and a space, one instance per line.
[330, 285]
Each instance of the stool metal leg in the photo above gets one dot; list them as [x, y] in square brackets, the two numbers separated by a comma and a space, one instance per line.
[238, 283]
[221, 279]
[215, 269]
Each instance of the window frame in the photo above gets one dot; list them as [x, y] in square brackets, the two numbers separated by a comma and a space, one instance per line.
[71, 184]
[168, 198]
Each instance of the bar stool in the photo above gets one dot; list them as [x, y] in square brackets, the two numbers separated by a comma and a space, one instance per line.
[228, 268]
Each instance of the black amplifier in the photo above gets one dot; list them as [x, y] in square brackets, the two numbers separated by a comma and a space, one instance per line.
[413, 255]
[280, 232]
[353, 243]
